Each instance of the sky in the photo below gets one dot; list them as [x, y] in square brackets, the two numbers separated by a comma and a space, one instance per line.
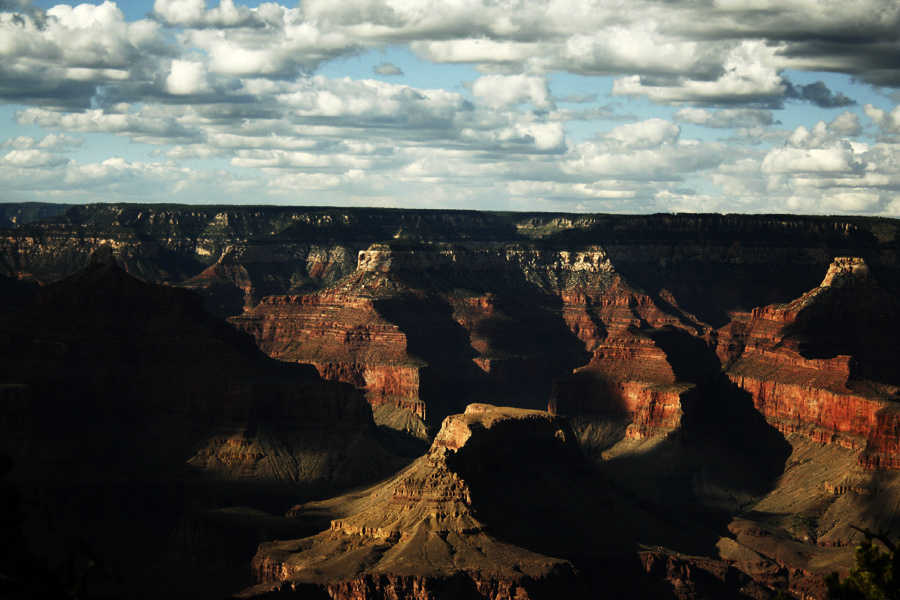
[623, 106]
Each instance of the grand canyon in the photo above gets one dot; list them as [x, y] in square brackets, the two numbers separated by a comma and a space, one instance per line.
[272, 401]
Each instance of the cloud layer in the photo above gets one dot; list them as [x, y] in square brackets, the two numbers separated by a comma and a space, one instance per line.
[688, 106]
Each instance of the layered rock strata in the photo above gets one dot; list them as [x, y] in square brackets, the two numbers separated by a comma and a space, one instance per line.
[630, 375]
[824, 364]
[426, 324]
[502, 506]
[113, 342]
[713, 264]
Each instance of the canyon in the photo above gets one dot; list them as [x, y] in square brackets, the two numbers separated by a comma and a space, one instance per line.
[426, 404]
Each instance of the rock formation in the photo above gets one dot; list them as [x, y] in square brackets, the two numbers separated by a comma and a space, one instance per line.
[503, 505]
[825, 364]
[697, 368]
[630, 375]
[121, 402]
[423, 326]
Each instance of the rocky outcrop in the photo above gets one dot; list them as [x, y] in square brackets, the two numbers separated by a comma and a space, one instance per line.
[712, 264]
[824, 364]
[112, 342]
[630, 374]
[243, 275]
[460, 522]
[428, 325]
[18, 214]
[345, 338]
[418, 535]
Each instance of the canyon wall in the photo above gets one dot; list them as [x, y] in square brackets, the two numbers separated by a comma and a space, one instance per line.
[717, 361]
[821, 364]
[425, 308]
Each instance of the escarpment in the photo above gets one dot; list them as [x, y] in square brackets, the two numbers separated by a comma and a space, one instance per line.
[421, 327]
[727, 371]
[630, 374]
[826, 363]
[113, 342]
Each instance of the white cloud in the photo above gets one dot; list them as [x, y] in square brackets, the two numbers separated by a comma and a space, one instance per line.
[876, 114]
[510, 90]
[666, 163]
[280, 49]
[193, 13]
[32, 158]
[630, 47]
[892, 122]
[804, 138]
[188, 77]
[521, 137]
[204, 80]
[837, 159]
[846, 123]
[137, 126]
[387, 69]
[750, 75]
[652, 133]
[479, 51]
[51, 142]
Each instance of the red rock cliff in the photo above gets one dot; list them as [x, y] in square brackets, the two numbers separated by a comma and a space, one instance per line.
[809, 364]
[629, 374]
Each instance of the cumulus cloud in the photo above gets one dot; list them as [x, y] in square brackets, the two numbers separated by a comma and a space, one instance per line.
[30, 159]
[480, 51]
[876, 114]
[510, 90]
[836, 159]
[283, 48]
[632, 47]
[750, 76]
[138, 126]
[193, 13]
[63, 57]
[204, 80]
[846, 123]
[188, 77]
[891, 123]
[50, 143]
[805, 138]
[652, 133]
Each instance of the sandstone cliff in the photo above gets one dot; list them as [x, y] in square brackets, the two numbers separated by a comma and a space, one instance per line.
[431, 325]
[825, 364]
[712, 264]
[502, 506]
[607, 316]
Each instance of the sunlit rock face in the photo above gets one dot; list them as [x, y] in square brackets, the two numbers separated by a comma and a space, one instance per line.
[502, 506]
[427, 326]
[826, 363]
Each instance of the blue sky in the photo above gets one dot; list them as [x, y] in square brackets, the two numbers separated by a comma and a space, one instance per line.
[578, 105]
